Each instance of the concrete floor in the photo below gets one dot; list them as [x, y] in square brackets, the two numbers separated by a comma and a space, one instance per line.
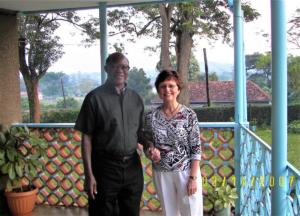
[44, 210]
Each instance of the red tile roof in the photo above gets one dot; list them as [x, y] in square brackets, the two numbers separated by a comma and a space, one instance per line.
[223, 92]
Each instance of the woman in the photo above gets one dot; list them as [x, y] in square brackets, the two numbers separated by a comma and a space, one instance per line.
[173, 130]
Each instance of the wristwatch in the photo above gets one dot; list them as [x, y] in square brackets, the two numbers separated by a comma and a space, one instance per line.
[193, 177]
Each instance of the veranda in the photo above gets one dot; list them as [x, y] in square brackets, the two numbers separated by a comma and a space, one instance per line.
[230, 149]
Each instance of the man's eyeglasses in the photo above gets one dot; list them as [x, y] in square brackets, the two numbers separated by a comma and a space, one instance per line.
[120, 66]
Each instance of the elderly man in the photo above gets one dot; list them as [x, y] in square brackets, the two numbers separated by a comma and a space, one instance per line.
[110, 120]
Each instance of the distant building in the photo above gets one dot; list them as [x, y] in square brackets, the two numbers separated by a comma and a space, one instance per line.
[222, 92]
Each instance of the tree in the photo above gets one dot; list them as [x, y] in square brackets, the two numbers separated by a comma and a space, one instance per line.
[138, 81]
[50, 84]
[179, 23]
[262, 75]
[294, 79]
[258, 68]
[85, 85]
[294, 30]
[39, 48]
[194, 67]
[212, 76]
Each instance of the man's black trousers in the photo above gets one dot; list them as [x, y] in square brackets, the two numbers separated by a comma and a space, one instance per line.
[119, 184]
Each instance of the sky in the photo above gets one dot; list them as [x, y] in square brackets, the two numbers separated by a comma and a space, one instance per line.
[78, 58]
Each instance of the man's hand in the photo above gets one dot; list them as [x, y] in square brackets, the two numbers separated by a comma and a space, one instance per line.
[90, 186]
[153, 154]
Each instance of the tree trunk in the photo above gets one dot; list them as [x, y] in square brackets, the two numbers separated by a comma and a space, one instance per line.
[184, 43]
[166, 14]
[33, 99]
[31, 81]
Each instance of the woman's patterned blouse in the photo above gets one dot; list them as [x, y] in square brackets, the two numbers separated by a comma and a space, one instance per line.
[178, 138]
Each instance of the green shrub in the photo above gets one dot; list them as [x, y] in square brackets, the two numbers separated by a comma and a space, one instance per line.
[294, 126]
[69, 103]
[60, 116]
[260, 113]
[56, 116]
[24, 103]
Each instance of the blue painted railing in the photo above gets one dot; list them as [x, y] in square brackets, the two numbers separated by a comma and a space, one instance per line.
[257, 180]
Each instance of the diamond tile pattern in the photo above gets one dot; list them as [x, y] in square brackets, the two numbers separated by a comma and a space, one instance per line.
[61, 182]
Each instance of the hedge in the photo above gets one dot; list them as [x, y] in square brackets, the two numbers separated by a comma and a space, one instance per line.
[56, 116]
[262, 114]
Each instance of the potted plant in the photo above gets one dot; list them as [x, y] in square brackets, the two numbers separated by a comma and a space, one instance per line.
[20, 154]
[223, 197]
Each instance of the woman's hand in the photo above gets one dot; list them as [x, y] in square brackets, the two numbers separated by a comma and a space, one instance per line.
[191, 186]
[153, 154]
[90, 186]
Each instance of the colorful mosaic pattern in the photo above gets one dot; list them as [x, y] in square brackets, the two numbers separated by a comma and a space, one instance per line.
[217, 159]
[61, 182]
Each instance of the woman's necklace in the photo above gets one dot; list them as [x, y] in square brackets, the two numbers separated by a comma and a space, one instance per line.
[170, 114]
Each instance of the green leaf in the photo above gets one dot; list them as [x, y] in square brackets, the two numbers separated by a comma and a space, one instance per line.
[37, 163]
[2, 138]
[26, 130]
[43, 145]
[11, 142]
[2, 161]
[11, 171]
[9, 185]
[19, 169]
[4, 168]
[32, 170]
[10, 152]
[2, 152]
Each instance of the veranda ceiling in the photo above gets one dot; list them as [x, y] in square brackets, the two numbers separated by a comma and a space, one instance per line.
[28, 6]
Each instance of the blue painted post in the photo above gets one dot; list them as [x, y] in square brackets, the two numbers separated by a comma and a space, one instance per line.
[103, 38]
[240, 89]
[279, 107]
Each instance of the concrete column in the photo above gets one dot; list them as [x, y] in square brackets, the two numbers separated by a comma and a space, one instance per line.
[10, 101]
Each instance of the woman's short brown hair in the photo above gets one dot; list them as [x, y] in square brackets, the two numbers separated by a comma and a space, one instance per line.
[168, 75]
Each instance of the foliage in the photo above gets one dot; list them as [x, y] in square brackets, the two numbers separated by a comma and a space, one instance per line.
[294, 30]
[85, 85]
[24, 103]
[259, 71]
[178, 25]
[138, 81]
[222, 195]
[39, 48]
[212, 76]
[68, 103]
[51, 83]
[294, 127]
[253, 122]
[20, 151]
[194, 67]
[294, 79]
[258, 68]
[60, 116]
[262, 113]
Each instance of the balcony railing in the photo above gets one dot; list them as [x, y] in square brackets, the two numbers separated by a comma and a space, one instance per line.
[61, 182]
[257, 180]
